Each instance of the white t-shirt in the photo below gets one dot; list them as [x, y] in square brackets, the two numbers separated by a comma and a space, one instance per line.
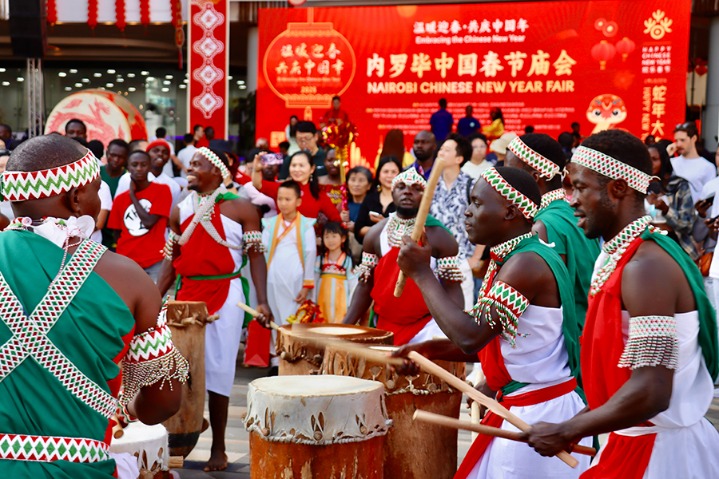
[697, 171]
[106, 205]
[185, 155]
[124, 184]
[476, 170]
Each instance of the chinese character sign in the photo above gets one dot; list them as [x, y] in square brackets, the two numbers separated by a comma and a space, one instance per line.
[606, 64]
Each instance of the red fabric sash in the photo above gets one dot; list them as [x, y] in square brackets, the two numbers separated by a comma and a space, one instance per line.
[480, 445]
[203, 256]
[602, 343]
[404, 316]
[623, 457]
[493, 365]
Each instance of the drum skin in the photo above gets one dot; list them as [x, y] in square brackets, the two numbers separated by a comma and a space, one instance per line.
[301, 356]
[414, 449]
[187, 321]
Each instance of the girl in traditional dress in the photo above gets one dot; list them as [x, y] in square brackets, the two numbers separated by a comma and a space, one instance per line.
[333, 273]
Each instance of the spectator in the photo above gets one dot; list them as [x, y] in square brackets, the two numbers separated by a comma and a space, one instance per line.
[359, 183]
[186, 153]
[97, 148]
[140, 144]
[528, 129]
[650, 140]
[450, 202]
[105, 207]
[495, 129]
[291, 135]
[331, 184]
[566, 139]
[6, 136]
[576, 135]
[499, 146]
[284, 147]
[117, 152]
[441, 121]
[198, 133]
[159, 151]
[75, 128]
[468, 125]
[689, 165]
[393, 145]
[335, 115]
[301, 170]
[425, 147]
[478, 163]
[307, 139]
[379, 203]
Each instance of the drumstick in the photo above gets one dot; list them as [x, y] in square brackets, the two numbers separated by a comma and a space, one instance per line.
[255, 313]
[354, 348]
[421, 216]
[117, 429]
[474, 414]
[485, 401]
[438, 419]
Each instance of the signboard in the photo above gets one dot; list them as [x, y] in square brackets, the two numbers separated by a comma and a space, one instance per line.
[605, 64]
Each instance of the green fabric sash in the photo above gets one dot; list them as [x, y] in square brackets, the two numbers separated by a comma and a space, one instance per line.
[708, 339]
[580, 252]
[89, 333]
[570, 328]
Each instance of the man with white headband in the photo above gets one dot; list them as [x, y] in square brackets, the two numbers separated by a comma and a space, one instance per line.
[72, 313]
[542, 157]
[649, 347]
[525, 337]
[212, 233]
[407, 316]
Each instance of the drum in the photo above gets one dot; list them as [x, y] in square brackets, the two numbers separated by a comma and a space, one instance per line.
[299, 355]
[187, 321]
[148, 444]
[414, 449]
[327, 427]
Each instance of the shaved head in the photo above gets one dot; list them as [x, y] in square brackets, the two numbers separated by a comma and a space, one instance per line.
[43, 152]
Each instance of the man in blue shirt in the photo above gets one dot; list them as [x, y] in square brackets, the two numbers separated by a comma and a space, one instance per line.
[468, 125]
[441, 121]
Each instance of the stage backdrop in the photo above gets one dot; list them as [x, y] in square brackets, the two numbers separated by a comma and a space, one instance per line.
[605, 64]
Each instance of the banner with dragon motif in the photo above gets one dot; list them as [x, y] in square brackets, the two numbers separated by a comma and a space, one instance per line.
[605, 64]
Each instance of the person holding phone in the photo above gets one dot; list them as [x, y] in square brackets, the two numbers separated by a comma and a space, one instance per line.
[378, 204]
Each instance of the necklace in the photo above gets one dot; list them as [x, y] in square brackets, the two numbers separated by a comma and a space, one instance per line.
[615, 249]
[204, 209]
[553, 195]
[497, 254]
[397, 228]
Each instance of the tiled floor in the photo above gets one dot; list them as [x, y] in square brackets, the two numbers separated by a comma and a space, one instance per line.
[237, 437]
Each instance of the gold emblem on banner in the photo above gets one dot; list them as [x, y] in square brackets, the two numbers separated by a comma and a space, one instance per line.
[658, 25]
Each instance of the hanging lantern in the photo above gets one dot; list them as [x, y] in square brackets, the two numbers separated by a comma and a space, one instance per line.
[120, 20]
[701, 67]
[603, 52]
[51, 12]
[309, 63]
[92, 13]
[625, 46]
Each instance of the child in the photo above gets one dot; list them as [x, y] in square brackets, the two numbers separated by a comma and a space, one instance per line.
[289, 239]
[334, 277]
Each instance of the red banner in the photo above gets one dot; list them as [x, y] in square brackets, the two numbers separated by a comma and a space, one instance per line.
[605, 64]
[208, 64]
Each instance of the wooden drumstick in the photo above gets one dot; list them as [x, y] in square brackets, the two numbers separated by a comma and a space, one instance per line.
[474, 415]
[256, 313]
[421, 216]
[485, 401]
[117, 430]
[438, 419]
[354, 348]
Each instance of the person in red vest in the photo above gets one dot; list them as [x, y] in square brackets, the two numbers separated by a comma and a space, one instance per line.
[649, 347]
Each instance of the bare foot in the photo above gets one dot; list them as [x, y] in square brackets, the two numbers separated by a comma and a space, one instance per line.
[217, 462]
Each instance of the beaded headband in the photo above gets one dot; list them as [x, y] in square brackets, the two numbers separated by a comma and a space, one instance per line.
[612, 168]
[510, 193]
[546, 167]
[409, 177]
[34, 185]
[215, 160]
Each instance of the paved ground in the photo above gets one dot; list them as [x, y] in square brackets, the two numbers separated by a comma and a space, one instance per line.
[237, 437]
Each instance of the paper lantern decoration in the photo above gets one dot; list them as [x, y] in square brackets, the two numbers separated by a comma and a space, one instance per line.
[624, 47]
[107, 116]
[603, 52]
[309, 63]
[610, 29]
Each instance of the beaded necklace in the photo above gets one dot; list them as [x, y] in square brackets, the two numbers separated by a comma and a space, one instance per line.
[552, 196]
[397, 228]
[204, 208]
[497, 254]
[615, 249]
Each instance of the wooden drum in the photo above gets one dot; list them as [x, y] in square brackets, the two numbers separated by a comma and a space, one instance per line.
[187, 321]
[148, 444]
[414, 449]
[328, 427]
[300, 355]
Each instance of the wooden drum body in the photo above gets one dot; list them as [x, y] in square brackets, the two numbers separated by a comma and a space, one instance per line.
[327, 427]
[414, 449]
[300, 355]
[187, 321]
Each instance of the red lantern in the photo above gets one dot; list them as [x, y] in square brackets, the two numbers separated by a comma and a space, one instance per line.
[51, 12]
[92, 13]
[120, 20]
[603, 52]
[625, 46]
[610, 29]
[599, 24]
[701, 67]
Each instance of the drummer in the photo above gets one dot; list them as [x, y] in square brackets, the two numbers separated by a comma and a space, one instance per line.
[526, 340]
[408, 317]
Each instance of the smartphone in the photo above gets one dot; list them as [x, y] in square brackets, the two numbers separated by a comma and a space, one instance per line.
[375, 214]
[271, 159]
[710, 200]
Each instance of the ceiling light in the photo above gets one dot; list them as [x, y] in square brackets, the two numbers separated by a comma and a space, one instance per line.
[132, 88]
[20, 79]
[165, 90]
[85, 80]
[243, 87]
[109, 85]
[183, 86]
[111, 71]
[120, 80]
[241, 82]
[130, 75]
[78, 85]
[97, 74]
[2, 70]
[6, 83]
[144, 72]
[186, 80]
[150, 78]
[167, 82]
[68, 88]
[229, 77]
[169, 77]
[62, 74]
[72, 70]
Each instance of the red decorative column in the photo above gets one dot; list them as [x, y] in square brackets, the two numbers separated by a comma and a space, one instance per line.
[208, 64]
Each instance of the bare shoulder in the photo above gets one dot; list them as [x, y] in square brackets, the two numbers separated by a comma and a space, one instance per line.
[651, 263]
[237, 208]
[527, 266]
[541, 230]
[371, 239]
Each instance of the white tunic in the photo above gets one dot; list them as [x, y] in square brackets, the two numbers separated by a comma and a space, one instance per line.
[540, 359]
[222, 337]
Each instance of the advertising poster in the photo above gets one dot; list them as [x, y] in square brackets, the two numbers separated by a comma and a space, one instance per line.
[604, 64]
